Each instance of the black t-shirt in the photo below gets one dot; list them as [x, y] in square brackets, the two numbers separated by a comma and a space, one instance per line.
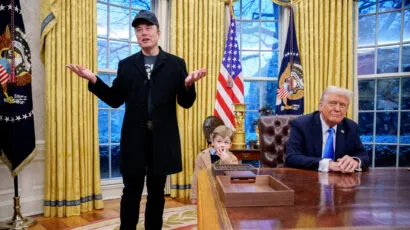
[149, 66]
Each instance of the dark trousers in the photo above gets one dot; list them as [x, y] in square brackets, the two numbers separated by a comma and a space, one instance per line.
[131, 198]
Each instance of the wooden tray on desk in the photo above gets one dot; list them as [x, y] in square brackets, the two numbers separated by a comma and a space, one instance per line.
[266, 191]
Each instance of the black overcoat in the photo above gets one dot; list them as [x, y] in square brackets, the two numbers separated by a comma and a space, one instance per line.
[167, 88]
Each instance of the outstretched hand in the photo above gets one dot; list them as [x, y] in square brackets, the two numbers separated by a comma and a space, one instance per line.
[83, 72]
[195, 76]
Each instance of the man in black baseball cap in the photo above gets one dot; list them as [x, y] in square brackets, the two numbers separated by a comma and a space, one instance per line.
[150, 83]
[147, 16]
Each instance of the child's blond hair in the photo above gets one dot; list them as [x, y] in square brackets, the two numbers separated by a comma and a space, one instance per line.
[223, 132]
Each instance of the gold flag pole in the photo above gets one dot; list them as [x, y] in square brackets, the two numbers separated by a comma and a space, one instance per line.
[18, 221]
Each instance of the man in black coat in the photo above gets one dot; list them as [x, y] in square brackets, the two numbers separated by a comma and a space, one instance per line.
[150, 83]
[326, 140]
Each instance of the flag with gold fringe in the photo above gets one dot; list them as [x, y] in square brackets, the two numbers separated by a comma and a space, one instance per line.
[17, 140]
[290, 93]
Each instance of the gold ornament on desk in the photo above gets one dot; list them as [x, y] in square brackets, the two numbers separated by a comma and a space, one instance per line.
[239, 134]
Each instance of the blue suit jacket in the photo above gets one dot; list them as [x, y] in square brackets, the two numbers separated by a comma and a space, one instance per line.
[304, 147]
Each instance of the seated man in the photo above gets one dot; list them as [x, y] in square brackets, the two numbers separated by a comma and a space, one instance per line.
[326, 140]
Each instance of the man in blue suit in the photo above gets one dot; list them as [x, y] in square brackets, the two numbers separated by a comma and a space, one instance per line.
[326, 140]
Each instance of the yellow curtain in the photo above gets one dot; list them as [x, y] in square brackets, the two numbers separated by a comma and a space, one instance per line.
[324, 31]
[197, 35]
[72, 180]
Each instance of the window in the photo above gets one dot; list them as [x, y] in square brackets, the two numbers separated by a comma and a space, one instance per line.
[116, 40]
[258, 39]
[383, 72]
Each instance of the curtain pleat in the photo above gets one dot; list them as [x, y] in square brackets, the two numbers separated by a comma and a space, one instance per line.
[72, 180]
[324, 31]
[197, 35]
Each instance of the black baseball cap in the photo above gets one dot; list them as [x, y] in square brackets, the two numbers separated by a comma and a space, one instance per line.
[145, 15]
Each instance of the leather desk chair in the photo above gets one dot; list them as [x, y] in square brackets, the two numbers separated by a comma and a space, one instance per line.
[210, 123]
[273, 136]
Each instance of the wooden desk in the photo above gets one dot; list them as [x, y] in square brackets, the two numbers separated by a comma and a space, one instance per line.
[375, 199]
[247, 154]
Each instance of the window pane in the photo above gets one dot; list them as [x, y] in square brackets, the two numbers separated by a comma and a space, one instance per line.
[365, 61]
[102, 19]
[250, 10]
[104, 159]
[237, 10]
[388, 59]
[369, 151]
[367, 6]
[385, 155]
[104, 78]
[269, 36]
[406, 26]
[269, 10]
[367, 30]
[387, 5]
[366, 94]
[112, 78]
[404, 156]
[388, 94]
[386, 127]
[405, 58]
[260, 93]
[250, 125]
[119, 23]
[250, 64]
[405, 128]
[135, 48]
[102, 53]
[125, 3]
[238, 33]
[250, 35]
[133, 35]
[103, 125]
[366, 127]
[405, 93]
[117, 116]
[115, 161]
[269, 64]
[141, 4]
[118, 51]
[389, 28]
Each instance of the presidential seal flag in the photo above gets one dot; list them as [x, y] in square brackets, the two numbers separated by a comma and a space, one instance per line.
[289, 97]
[17, 141]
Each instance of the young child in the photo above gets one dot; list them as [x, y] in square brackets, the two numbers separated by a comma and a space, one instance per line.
[217, 154]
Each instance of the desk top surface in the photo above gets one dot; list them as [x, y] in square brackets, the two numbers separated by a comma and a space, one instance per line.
[378, 198]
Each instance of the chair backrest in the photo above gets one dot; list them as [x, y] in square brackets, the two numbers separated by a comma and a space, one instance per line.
[273, 136]
[210, 123]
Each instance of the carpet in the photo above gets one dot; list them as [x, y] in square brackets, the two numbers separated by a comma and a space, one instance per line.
[181, 218]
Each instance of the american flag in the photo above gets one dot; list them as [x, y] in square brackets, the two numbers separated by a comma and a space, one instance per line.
[283, 93]
[4, 76]
[230, 82]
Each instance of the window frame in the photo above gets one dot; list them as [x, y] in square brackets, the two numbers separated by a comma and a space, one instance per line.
[111, 72]
[282, 31]
[380, 76]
